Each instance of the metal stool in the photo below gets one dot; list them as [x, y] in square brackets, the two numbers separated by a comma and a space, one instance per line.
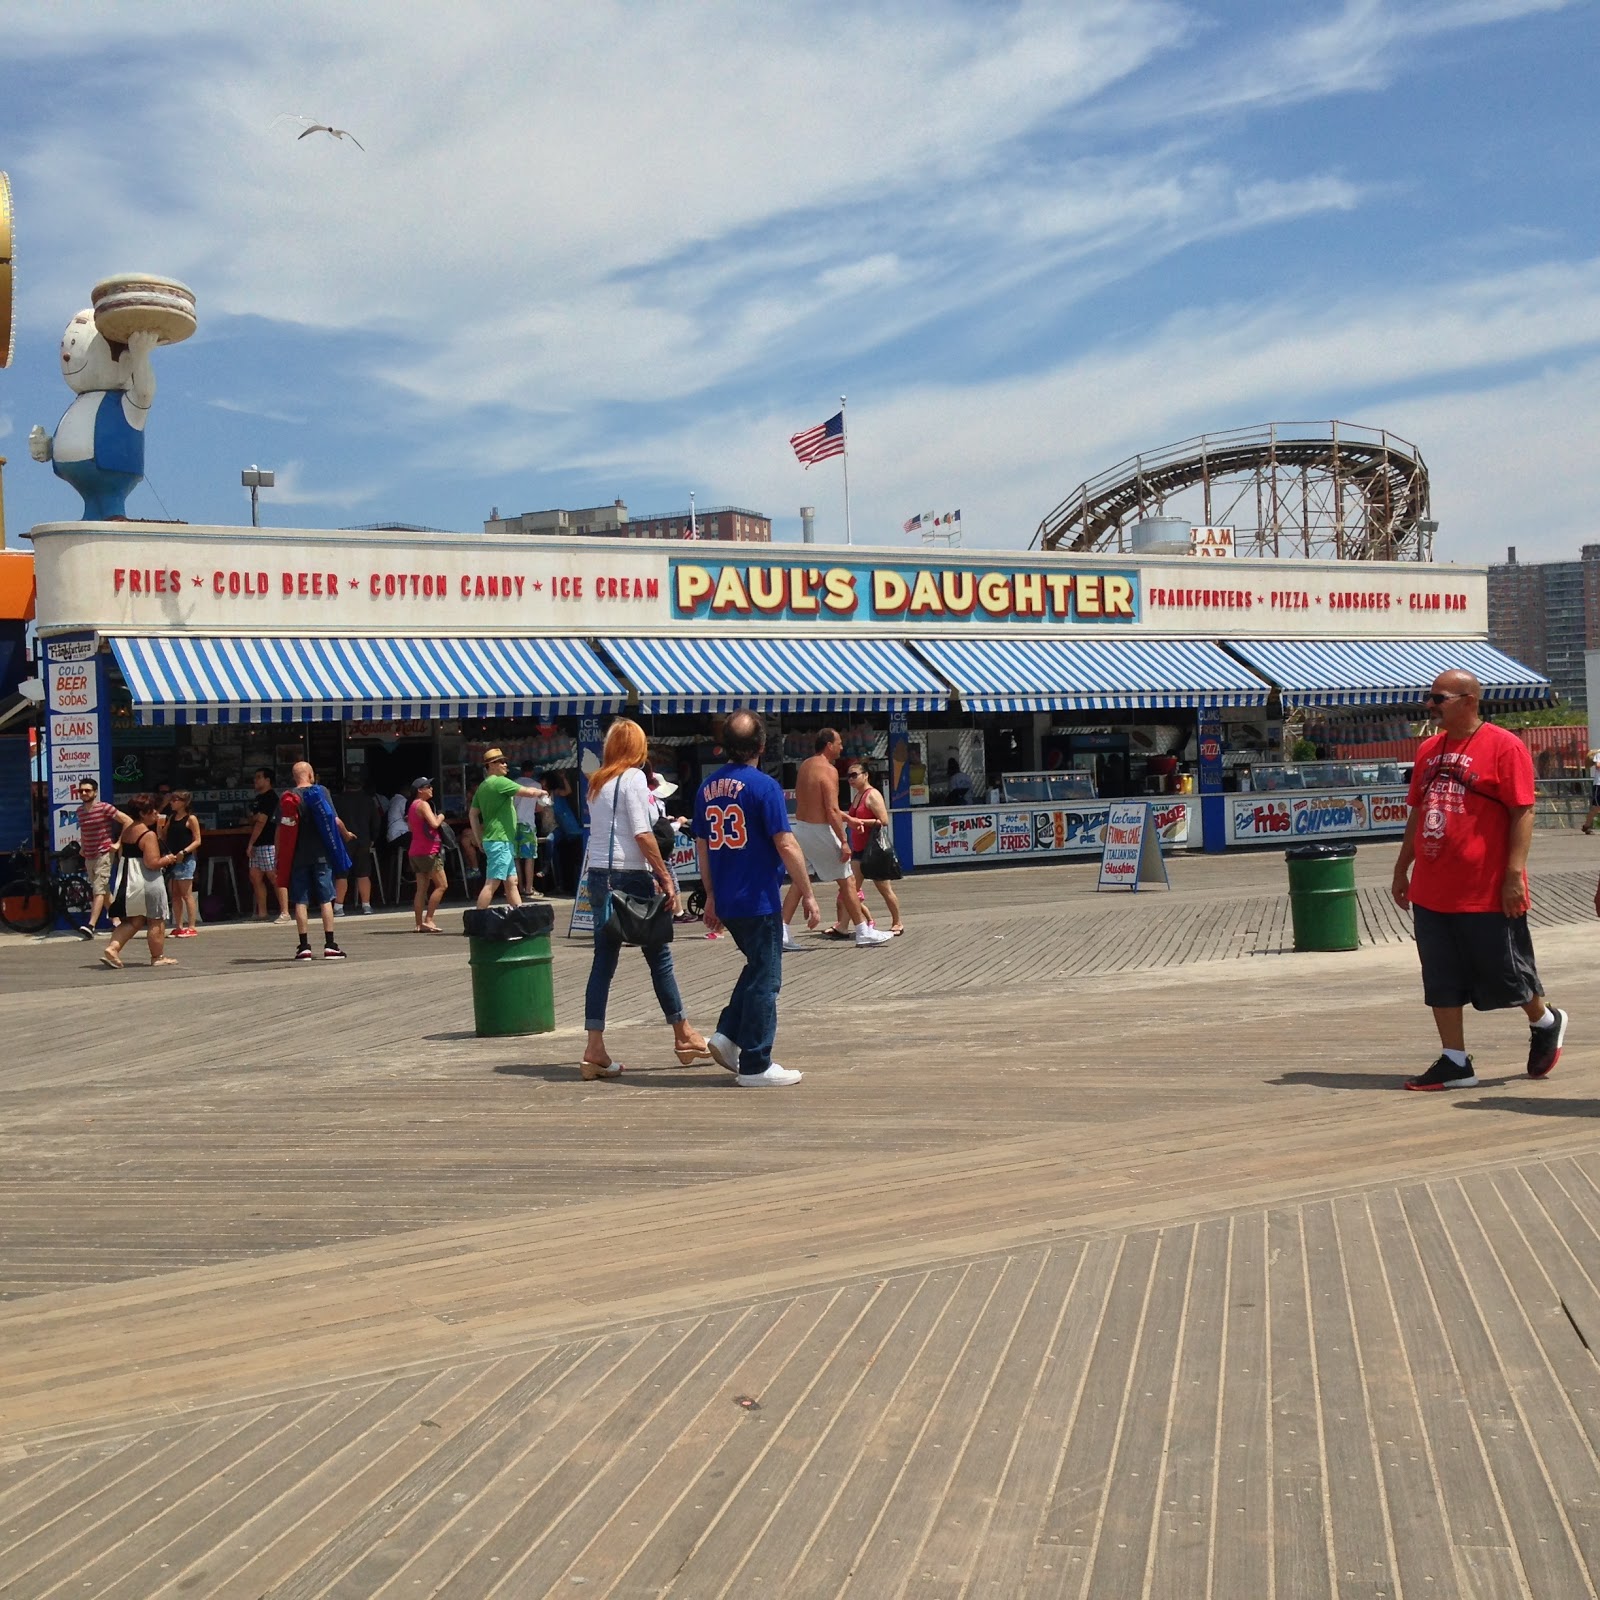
[454, 850]
[395, 850]
[226, 864]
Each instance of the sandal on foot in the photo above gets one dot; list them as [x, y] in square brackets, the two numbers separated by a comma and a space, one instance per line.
[834, 933]
[164, 961]
[109, 958]
[688, 1054]
[594, 1070]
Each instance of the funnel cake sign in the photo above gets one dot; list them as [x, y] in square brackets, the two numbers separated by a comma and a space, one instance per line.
[801, 592]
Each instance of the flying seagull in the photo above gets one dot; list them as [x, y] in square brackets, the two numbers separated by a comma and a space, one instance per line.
[338, 133]
[319, 127]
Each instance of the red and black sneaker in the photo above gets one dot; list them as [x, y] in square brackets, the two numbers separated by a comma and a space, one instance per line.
[1445, 1074]
[1544, 1046]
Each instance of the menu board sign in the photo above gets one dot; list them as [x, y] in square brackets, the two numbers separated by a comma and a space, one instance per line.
[1131, 855]
[1045, 830]
[73, 728]
[1334, 813]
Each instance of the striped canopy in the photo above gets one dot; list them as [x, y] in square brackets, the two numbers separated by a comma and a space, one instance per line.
[1125, 674]
[226, 679]
[1379, 672]
[776, 675]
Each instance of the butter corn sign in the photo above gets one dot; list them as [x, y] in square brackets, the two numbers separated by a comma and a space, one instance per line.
[800, 592]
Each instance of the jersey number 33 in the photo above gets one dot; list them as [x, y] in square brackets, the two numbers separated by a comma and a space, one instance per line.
[726, 827]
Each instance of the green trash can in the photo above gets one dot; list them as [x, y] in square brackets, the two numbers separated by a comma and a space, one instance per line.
[512, 988]
[1322, 896]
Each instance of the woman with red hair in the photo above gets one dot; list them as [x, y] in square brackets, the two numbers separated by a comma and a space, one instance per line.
[624, 855]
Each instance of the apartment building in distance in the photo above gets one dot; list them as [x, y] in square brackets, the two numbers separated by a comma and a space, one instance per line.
[1546, 614]
[731, 524]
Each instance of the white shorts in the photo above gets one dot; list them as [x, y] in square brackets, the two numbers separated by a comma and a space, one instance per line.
[821, 846]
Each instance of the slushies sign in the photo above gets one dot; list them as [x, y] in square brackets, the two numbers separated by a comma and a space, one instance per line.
[794, 592]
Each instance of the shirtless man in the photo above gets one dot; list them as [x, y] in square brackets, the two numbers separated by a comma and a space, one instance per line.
[821, 832]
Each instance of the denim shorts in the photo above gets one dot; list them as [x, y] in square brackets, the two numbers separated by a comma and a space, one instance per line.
[311, 885]
[184, 871]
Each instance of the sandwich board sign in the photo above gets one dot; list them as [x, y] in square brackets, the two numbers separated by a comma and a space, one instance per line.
[1131, 854]
[582, 907]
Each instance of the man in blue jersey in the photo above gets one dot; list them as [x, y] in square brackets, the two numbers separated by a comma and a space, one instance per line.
[741, 835]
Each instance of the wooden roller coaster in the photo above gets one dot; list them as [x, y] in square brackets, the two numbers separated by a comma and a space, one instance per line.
[1322, 490]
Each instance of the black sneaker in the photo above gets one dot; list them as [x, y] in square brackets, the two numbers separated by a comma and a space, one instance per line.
[1544, 1046]
[304, 953]
[85, 931]
[331, 952]
[1445, 1074]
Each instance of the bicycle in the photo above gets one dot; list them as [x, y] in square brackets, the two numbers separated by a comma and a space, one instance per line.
[33, 900]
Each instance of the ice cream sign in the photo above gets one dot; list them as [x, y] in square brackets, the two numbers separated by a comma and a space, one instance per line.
[794, 592]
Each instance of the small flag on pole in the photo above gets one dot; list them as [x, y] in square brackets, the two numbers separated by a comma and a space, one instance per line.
[820, 442]
[913, 524]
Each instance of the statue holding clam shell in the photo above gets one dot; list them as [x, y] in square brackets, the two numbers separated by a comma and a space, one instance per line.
[98, 446]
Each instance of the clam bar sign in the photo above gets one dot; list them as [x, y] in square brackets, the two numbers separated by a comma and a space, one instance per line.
[247, 580]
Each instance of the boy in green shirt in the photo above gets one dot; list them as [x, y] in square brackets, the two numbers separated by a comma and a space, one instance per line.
[493, 818]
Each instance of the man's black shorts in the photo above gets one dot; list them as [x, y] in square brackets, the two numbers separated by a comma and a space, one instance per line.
[1479, 958]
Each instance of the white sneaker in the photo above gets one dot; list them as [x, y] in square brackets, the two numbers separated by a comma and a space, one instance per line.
[866, 936]
[723, 1051]
[774, 1077]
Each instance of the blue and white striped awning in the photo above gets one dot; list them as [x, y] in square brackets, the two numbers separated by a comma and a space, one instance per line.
[1091, 674]
[776, 675]
[223, 679]
[1383, 672]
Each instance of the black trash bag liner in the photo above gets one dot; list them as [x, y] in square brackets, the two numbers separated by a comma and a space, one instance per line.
[503, 924]
[1318, 852]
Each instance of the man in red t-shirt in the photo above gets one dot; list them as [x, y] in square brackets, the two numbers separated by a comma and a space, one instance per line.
[98, 828]
[1463, 871]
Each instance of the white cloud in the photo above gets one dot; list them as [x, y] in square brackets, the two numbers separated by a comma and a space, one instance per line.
[291, 489]
[1008, 450]
[262, 414]
[1364, 47]
[570, 222]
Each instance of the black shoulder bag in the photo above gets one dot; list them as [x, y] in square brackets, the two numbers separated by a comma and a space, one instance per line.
[631, 918]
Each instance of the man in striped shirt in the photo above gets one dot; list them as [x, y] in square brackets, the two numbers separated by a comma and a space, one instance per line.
[98, 827]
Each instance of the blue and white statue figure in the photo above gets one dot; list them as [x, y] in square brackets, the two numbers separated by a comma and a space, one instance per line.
[98, 446]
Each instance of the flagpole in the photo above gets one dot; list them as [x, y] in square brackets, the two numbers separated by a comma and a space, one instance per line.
[844, 434]
[693, 531]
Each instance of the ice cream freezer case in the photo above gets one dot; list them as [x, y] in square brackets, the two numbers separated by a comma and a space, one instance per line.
[1020, 831]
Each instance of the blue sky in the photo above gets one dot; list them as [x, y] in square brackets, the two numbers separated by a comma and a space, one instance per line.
[626, 250]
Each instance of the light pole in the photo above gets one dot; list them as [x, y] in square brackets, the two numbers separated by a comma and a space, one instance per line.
[256, 479]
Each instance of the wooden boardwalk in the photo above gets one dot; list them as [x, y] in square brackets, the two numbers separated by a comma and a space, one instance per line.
[1095, 1257]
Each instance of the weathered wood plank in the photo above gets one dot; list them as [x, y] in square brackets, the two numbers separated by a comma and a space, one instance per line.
[1180, 1552]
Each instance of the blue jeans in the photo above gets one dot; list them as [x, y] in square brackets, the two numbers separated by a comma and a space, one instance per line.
[750, 1017]
[606, 951]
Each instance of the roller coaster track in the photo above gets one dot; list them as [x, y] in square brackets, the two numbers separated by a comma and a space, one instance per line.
[1319, 489]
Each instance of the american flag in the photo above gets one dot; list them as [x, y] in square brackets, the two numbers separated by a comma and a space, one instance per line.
[820, 442]
[913, 524]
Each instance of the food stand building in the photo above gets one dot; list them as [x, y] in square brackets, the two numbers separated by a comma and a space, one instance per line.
[1050, 683]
